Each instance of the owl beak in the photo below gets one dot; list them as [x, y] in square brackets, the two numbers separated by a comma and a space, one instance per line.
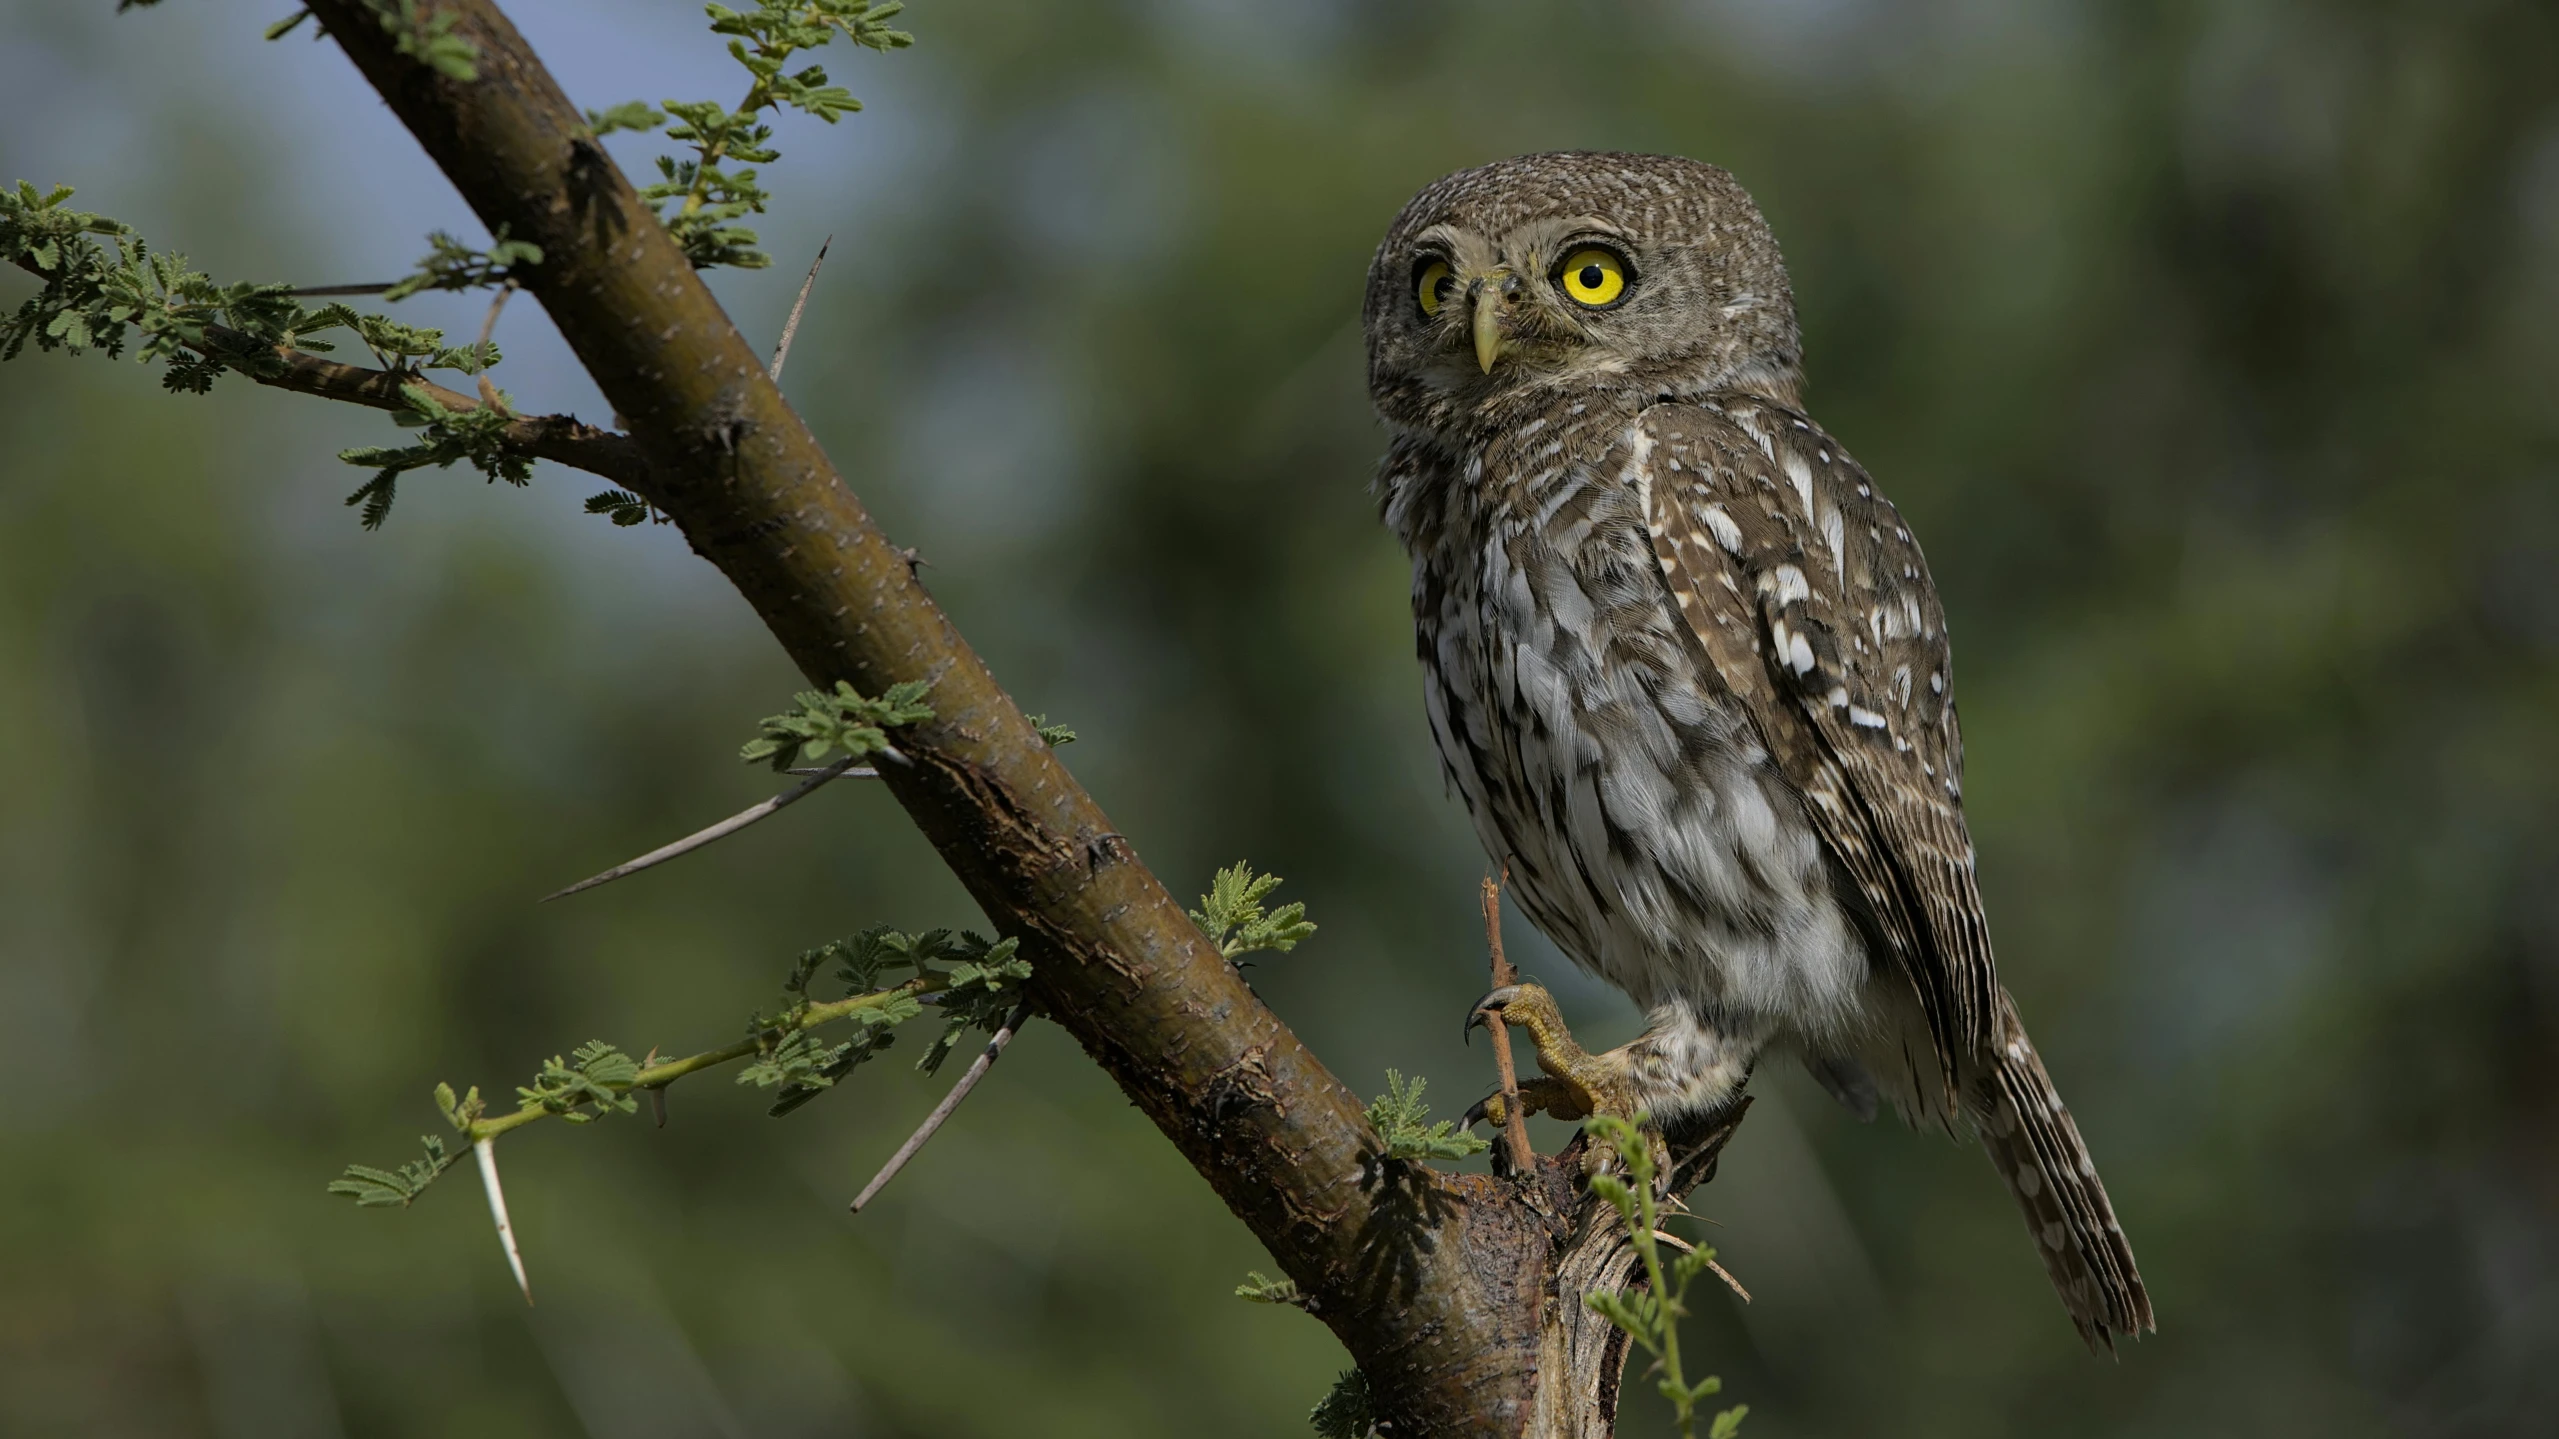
[1488, 325]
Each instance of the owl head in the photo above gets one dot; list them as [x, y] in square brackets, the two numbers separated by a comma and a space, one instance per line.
[1576, 273]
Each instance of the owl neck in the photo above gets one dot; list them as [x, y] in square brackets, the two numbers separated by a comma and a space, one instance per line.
[1465, 428]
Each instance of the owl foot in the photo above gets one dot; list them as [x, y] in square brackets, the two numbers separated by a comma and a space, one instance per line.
[1577, 1083]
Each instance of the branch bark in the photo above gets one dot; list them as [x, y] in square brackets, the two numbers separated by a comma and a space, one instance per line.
[1442, 1287]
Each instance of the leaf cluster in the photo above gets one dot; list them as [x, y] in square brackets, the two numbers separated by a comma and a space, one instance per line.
[407, 349]
[885, 975]
[449, 264]
[594, 1081]
[427, 39]
[1232, 917]
[1650, 1315]
[624, 508]
[1260, 1288]
[703, 196]
[842, 719]
[477, 437]
[1401, 1119]
[1345, 1412]
[975, 982]
[396, 1188]
[106, 289]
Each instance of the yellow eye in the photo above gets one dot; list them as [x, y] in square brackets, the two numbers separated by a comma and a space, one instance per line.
[1434, 285]
[1593, 277]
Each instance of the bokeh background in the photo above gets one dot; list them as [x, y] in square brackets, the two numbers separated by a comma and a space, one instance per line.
[2212, 349]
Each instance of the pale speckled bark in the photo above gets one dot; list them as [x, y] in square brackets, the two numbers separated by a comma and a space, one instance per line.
[1437, 1284]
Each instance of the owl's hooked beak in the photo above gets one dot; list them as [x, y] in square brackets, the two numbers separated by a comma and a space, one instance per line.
[1490, 296]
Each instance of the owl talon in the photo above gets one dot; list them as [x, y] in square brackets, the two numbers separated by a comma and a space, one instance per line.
[1538, 1094]
[1494, 1003]
[1578, 1082]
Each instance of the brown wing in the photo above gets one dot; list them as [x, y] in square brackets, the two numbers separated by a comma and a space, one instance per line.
[1812, 600]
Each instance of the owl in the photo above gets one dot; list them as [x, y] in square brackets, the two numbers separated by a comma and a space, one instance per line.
[1686, 669]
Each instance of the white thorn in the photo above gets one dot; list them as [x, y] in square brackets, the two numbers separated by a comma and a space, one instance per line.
[691, 842]
[487, 1149]
[791, 326]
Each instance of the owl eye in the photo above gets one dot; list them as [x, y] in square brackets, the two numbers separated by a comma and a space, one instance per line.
[1593, 277]
[1434, 285]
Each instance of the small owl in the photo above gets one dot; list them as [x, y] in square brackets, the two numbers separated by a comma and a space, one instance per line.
[1685, 667]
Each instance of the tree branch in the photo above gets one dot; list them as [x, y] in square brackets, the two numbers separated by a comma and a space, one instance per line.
[562, 439]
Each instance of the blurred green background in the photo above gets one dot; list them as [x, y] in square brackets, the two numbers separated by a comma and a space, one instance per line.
[2212, 349]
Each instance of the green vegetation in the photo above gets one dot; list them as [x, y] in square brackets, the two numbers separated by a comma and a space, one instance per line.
[1650, 1314]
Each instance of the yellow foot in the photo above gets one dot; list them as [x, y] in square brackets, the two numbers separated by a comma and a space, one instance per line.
[1577, 1083]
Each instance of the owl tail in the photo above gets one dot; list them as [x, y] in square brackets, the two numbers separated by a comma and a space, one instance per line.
[2036, 1148]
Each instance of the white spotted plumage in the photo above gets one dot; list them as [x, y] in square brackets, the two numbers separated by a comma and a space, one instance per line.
[1671, 637]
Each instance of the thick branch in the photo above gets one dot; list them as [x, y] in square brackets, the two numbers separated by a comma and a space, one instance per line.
[1434, 1283]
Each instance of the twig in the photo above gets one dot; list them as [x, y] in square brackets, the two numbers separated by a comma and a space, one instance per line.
[487, 1149]
[1684, 1247]
[1514, 1123]
[658, 1074]
[791, 326]
[722, 830]
[489, 395]
[372, 289]
[976, 1071]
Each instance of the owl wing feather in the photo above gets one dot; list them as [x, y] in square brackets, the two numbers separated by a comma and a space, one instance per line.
[1813, 603]
[1815, 606]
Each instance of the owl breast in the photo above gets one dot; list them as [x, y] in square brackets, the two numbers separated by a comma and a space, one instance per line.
[1645, 829]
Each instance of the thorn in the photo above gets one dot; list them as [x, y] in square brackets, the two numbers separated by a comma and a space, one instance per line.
[657, 1094]
[1664, 1236]
[932, 1122]
[487, 1149]
[1730, 1282]
[489, 395]
[722, 830]
[791, 326]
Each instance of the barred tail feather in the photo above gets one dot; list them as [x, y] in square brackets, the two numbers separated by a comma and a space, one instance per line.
[2036, 1148]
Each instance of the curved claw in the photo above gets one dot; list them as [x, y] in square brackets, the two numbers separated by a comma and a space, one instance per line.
[1491, 1004]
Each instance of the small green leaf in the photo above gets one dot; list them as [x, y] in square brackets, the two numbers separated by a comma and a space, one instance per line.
[843, 719]
[387, 1188]
[1260, 1288]
[629, 115]
[1231, 914]
[1345, 1412]
[1401, 1121]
